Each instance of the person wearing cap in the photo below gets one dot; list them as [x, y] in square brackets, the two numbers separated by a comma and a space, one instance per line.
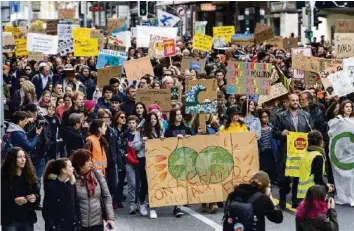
[104, 102]
[41, 80]
[77, 137]
[115, 103]
[233, 123]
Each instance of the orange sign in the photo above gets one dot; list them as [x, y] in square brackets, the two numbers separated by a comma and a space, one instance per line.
[300, 143]
[169, 47]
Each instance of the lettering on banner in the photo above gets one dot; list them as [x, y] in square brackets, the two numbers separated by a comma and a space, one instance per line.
[202, 42]
[65, 31]
[344, 26]
[277, 90]
[160, 97]
[344, 44]
[86, 47]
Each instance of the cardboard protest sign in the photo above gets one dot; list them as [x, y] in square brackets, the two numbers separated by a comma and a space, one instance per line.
[67, 13]
[106, 73]
[37, 56]
[331, 66]
[199, 169]
[65, 47]
[85, 46]
[193, 63]
[279, 42]
[300, 74]
[143, 34]
[277, 90]
[110, 58]
[341, 82]
[341, 154]
[98, 35]
[8, 44]
[113, 44]
[156, 49]
[308, 63]
[21, 47]
[248, 78]
[169, 47]
[115, 25]
[161, 97]
[242, 39]
[48, 44]
[137, 68]
[263, 34]
[224, 31]
[124, 39]
[52, 26]
[201, 96]
[297, 147]
[344, 26]
[344, 44]
[16, 31]
[202, 42]
[65, 31]
[81, 32]
[311, 79]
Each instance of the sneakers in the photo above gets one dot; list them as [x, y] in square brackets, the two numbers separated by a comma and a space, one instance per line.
[142, 210]
[132, 209]
[177, 211]
[153, 214]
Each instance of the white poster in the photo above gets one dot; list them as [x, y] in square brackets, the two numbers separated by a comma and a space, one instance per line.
[166, 19]
[65, 31]
[341, 148]
[342, 83]
[124, 39]
[300, 74]
[48, 44]
[65, 47]
[144, 32]
[348, 66]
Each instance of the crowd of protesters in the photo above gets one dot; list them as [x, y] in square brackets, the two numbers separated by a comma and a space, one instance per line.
[84, 142]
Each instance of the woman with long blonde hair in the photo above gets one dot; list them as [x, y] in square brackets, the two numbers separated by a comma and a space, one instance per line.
[28, 93]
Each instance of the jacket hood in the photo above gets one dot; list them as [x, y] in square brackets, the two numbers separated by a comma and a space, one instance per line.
[14, 128]
[245, 190]
[55, 177]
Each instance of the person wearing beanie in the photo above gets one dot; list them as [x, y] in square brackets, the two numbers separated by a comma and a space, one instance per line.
[157, 109]
[77, 138]
[104, 102]
[90, 107]
[233, 123]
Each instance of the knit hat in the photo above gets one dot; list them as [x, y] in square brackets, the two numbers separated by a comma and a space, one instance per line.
[233, 110]
[116, 98]
[154, 107]
[89, 104]
[75, 118]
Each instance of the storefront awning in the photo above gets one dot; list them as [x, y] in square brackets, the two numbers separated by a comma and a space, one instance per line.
[168, 3]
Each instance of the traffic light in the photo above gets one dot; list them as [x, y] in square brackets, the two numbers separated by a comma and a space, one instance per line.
[142, 6]
[308, 34]
[316, 21]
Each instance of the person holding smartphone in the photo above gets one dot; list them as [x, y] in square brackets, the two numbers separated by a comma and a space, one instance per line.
[315, 213]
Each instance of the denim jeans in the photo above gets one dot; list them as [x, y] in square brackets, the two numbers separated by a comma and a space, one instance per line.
[133, 183]
[39, 165]
[19, 226]
[112, 179]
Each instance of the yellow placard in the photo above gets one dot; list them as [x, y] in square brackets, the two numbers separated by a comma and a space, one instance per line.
[21, 47]
[297, 143]
[15, 30]
[86, 47]
[224, 31]
[81, 32]
[202, 42]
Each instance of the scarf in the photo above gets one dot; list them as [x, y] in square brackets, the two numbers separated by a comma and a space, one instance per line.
[312, 148]
[90, 182]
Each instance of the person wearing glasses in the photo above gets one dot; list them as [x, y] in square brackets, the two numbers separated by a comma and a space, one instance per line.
[28, 71]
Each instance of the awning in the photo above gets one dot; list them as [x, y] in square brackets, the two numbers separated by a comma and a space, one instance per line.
[168, 3]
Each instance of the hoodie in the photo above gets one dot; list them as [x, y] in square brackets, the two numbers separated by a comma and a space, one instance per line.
[19, 138]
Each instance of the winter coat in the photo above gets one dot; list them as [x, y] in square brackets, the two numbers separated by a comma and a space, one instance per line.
[19, 138]
[44, 141]
[122, 146]
[321, 223]
[90, 207]
[60, 208]
[128, 107]
[319, 121]
[12, 212]
[173, 131]
[90, 86]
[37, 82]
[112, 151]
[74, 140]
[101, 104]
[263, 206]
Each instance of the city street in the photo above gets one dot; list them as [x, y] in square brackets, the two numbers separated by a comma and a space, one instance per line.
[195, 220]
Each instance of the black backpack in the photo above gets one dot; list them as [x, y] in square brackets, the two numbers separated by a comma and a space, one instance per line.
[239, 215]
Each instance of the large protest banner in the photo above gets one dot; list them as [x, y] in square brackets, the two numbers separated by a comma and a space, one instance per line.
[344, 26]
[110, 58]
[341, 149]
[161, 97]
[105, 74]
[223, 31]
[202, 42]
[199, 169]
[137, 68]
[297, 144]
[344, 45]
[201, 96]
[85, 46]
[248, 78]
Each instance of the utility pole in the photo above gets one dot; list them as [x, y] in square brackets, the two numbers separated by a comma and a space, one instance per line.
[309, 21]
[85, 14]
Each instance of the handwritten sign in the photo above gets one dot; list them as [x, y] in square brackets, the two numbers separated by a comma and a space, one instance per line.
[156, 49]
[65, 31]
[98, 35]
[67, 13]
[37, 56]
[308, 63]
[264, 34]
[224, 31]
[8, 44]
[48, 44]
[300, 74]
[277, 90]
[52, 26]
[86, 47]
[344, 44]
[200, 169]
[137, 68]
[193, 63]
[110, 58]
[201, 96]
[202, 42]
[81, 32]
[21, 47]
[279, 42]
[105, 74]
[242, 39]
[115, 24]
[16, 31]
[341, 82]
[169, 47]
[344, 26]
[161, 97]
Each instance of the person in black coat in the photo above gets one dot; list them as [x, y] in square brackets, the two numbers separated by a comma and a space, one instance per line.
[128, 105]
[60, 208]
[19, 191]
[264, 205]
[75, 138]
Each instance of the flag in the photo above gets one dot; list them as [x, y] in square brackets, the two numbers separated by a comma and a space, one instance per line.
[166, 19]
[341, 150]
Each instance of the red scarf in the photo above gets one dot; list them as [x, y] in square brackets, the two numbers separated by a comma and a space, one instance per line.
[89, 180]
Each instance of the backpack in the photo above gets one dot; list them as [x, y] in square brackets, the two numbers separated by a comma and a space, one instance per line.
[6, 145]
[239, 215]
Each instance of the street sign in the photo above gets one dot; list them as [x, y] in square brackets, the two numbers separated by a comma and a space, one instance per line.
[15, 6]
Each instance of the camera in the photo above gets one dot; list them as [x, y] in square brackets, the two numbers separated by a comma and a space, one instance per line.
[40, 122]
